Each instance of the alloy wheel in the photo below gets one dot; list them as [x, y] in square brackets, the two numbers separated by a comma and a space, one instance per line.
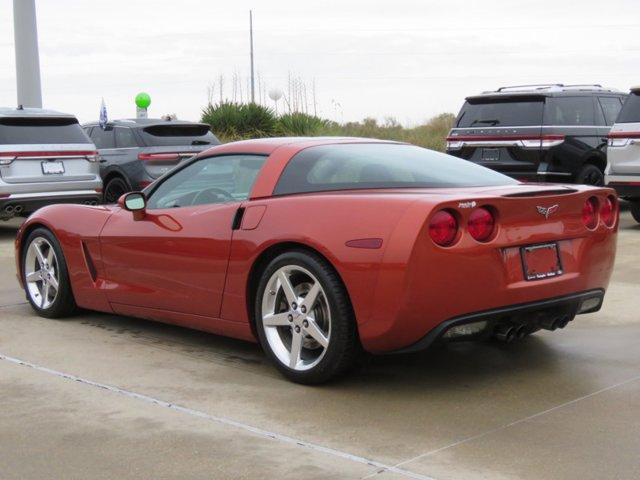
[41, 270]
[296, 317]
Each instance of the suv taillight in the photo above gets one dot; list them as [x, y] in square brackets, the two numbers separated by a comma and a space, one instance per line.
[622, 139]
[590, 213]
[158, 157]
[609, 211]
[443, 228]
[481, 224]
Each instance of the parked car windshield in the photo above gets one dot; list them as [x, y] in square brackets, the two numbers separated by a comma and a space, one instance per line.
[499, 112]
[178, 134]
[630, 112]
[53, 130]
[371, 165]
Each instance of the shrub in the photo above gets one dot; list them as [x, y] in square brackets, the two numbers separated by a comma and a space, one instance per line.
[233, 121]
[299, 124]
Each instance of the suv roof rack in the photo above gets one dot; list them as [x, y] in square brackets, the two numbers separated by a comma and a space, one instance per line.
[554, 87]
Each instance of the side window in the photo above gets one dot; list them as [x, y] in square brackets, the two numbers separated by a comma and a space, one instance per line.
[125, 138]
[611, 107]
[210, 180]
[102, 138]
[569, 111]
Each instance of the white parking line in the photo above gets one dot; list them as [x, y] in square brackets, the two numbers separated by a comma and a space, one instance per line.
[222, 420]
[508, 425]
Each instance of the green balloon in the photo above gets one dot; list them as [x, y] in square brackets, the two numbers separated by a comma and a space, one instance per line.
[143, 100]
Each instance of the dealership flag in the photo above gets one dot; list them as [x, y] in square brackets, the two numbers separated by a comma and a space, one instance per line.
[103, 115]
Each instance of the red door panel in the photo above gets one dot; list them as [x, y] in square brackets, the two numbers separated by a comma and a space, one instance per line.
[174, 259]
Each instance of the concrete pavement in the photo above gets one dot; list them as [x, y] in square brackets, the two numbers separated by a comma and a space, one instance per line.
[103, 396]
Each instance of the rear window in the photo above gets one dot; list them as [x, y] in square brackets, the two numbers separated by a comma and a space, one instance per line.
[498, 112]
[630, 112]
[569, 111]
[362, 166]
[25, 130]
[184, 134]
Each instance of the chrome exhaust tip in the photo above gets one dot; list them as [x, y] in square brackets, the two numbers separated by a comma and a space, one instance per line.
[521, 332]
[505, 333]
[18, 209]
[549, 323]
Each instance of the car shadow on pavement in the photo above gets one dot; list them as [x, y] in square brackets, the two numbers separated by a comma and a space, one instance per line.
[458, 366]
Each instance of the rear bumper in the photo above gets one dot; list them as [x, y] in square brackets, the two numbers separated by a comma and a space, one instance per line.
[625, 186]
[527, 313]
[20, 203]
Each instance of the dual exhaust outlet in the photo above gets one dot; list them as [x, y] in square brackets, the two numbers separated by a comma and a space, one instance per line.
[11, 210]
[508, 332]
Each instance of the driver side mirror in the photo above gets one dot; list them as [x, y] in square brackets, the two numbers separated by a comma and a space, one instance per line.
[135, 202]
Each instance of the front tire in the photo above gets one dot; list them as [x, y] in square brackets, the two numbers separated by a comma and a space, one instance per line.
[590, 175]
[635, 210]
[45, 275]
[304, 318]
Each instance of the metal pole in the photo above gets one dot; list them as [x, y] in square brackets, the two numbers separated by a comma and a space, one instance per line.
[27, 59]
[253, 93]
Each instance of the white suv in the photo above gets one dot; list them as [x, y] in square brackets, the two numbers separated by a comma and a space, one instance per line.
[623, 169]
[45, 157]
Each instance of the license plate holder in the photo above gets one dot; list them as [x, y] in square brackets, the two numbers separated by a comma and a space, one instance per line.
[53, 168]
[541, 261]
[490, 154]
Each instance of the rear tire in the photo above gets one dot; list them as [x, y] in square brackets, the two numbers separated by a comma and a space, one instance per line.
[45, 275]
[590, 175]
[310, 341]
[635, 210]
[114, 189]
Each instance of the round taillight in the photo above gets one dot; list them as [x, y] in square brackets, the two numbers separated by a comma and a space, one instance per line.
[590, 213]
[608, 211]
[443, 228]
[481, 224]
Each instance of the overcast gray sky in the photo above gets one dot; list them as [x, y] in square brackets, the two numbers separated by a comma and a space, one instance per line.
[406, 59]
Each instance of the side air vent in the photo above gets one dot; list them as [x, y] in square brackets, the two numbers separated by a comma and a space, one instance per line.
[89, 261]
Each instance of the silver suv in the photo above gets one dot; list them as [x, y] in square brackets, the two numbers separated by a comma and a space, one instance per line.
[623, 170]
[45, 157]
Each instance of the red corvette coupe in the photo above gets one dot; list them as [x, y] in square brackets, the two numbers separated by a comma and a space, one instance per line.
[320, 247]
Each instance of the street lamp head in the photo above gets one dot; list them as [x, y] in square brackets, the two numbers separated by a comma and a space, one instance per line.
[275, 94]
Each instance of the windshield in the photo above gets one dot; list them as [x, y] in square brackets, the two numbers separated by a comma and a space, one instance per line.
[50, 130]
[360, 166]
[177, 135]
[512, 112]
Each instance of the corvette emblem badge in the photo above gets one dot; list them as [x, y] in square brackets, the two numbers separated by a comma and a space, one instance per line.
[548, 211]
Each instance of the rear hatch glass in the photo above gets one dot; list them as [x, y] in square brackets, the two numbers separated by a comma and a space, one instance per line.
[630, 112]
[49, 130]
[182, 134]
[490, 129]
[499, 112]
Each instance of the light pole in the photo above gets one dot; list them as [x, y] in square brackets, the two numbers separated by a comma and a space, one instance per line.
[25, 31]
[253, 92]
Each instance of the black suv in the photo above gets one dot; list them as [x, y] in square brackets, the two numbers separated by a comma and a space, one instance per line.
[134, 152]
[548, 133]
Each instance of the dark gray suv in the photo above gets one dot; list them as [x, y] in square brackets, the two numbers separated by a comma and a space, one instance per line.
[548, 133]
[134, 152]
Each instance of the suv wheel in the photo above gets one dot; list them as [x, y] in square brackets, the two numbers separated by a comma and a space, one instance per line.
[590, 175]
[45, 275]
[635, 210]
[114, 189]
[304, 318]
